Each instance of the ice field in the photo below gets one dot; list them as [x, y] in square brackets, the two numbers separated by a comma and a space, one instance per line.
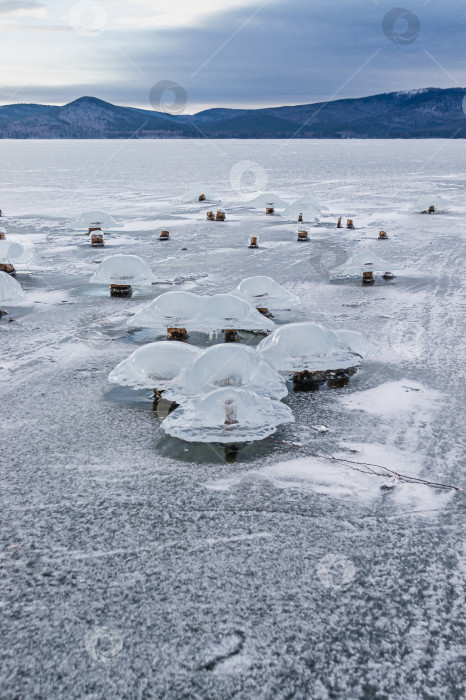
[137, 564]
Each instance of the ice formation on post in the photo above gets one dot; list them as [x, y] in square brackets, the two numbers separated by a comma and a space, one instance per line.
[228, 366]
[10, 290]
[227, 416]
[264, 292]
[97, 218]
[306, 346]
[154, 366]
[14, 253]
[123, 270]
[200, 313]
[431, 204]
[362, 263]
[310, 212]
[357, 342]
[200, 193]
[267, 199]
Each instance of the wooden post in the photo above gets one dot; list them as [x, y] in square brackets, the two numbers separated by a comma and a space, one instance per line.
[264, 311]
[349, 223]
[300, 219]
[164, 236]
[2, 236]
[97, 240]
[202, 197]
[121, 290]
[253, 242]
[9, 269]
[339, 223]
[303, 235]
[231, 335]
[432, 209]
[221, 216]
[383, 235]
[388, 276]
[368, 277]
[210, 216]
[270, 211]
[177, 334]
[94, 227]
[230, 412]
[308, 380]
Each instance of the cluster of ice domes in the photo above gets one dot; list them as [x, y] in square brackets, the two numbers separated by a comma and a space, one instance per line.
[12, 253]
[426, 201]
[97, 218]
[200, 313]
[123, 270]
[360, 263]
[264, 293]
[10, 290]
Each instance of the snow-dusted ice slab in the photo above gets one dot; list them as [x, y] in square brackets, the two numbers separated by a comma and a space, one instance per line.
[154, 366]
[100, 218]
[14, 253]
[200, 313]
[228, 415]
[306, 346]
[123, 269]
[267, 199]
[10, 290]
[264, 292]
[428, 200]
[363, 262]
[230, 365]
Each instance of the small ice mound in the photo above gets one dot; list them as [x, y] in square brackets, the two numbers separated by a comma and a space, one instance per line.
[358, 343]
[267, 199]
[14, 253]
[306, 346]
[424, 204]
[200, 193]
[264, 292]
[309, 201]
[228, 366]
[309, 212]
[10, 290]
[200, 313]
[228, 415]
[363, 262]
[154, 366]
[99, 218]
[124, 270]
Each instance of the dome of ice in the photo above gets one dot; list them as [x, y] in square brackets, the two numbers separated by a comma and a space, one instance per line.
[228, 415]
[311, 212]
[306, 346]
[200, 313]
[357, 342]
[123, 269]
[10, 289]
[428, 200]
[262, 291]
[267, 199]
[363, 262]
[99, 218]
[154, 366]
[230, 365]
[195, 192]
[14, 253]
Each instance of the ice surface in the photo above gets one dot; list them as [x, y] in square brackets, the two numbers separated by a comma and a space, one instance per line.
[100, 218]
[363, 262]
[427, 200]
[203, 419]
[306, 346]
[228, 365]
[155, 365]
[200, 313]
[14, 253]
[123, 269]
[267, 199]
[358, 343]
[263, 291]
[10, 289]
[396, 399]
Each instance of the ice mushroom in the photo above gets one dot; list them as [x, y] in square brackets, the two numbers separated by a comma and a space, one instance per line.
[364, 265]
[228, 415]
[357, 342]
[311, 352]
[228, 366]
[121, 272]
[200, 193]
[303, 212]
[154, 366]
[181, 312]
[10, 290]
[430, 204]
[12, 254]
[265, 294]
[267, 200]
[95, 220]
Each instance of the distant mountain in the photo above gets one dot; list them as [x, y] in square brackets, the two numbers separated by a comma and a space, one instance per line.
[427, 113]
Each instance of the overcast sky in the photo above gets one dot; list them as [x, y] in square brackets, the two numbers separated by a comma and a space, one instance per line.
[238, 53]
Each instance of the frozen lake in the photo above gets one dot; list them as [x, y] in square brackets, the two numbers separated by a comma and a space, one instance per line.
[273, 575]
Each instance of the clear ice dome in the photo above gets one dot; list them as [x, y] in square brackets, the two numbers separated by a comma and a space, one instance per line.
[154, 366]
[228, 415]
[264, 292]
[10, 290]
[267, 199]
[306, 346]
[200, 313]
[362, 262]
[357, 342]
[230, 365]
[123, 269]
[311, 213]
[100, 218]
[14, 253]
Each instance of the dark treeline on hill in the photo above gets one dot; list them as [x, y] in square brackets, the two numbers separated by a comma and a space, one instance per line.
[427, 113]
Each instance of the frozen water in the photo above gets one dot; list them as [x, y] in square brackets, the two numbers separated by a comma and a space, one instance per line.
[155, 365]
[10, 289]
[264, 292]
[358, 343]
[228, 365]
[123, 269]
[306, 346]
[267, 199]
[363, 262]
[200, 313]
[427, 200]
[100, 218]
[14, 253]
[228, 415]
